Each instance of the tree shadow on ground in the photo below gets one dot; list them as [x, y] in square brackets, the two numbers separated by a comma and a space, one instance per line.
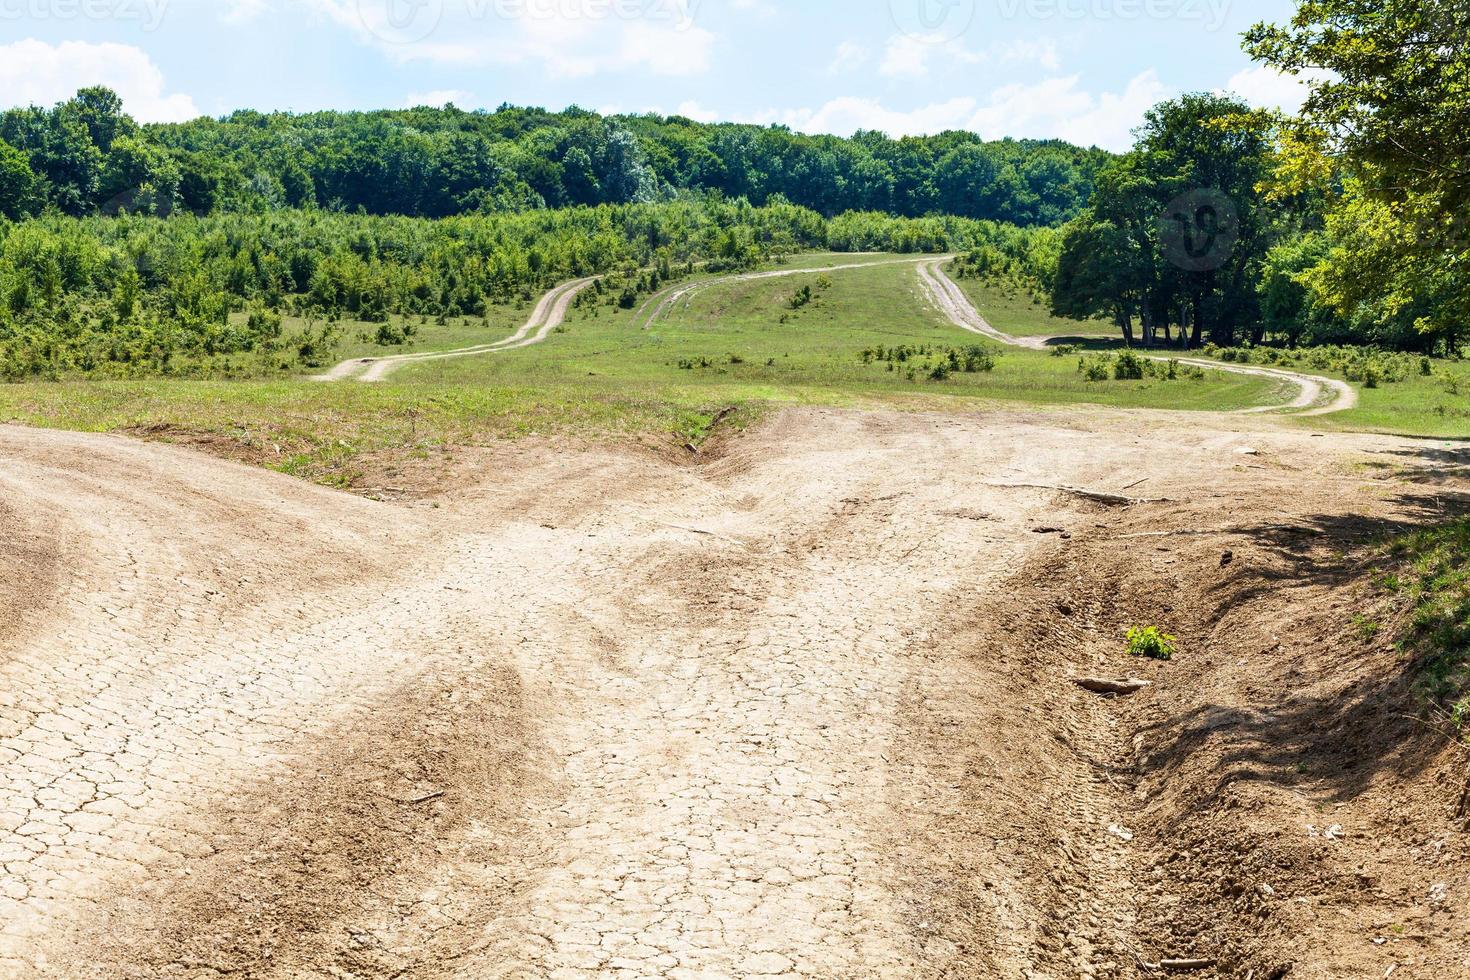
[1325, 549]
[1352, 714]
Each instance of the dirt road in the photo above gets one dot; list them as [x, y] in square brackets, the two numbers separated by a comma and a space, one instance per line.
[550, 313]
[1315, 395]
[596, 714]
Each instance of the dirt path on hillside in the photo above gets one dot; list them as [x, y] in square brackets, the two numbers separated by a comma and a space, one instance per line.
[1315, 395]
[595, 715]
[549, 313]
[664, 301]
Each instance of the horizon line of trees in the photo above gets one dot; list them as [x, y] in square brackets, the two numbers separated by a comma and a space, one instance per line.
[87, 156]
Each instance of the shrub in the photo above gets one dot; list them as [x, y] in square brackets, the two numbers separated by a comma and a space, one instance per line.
[1095, 368]
[1150, 643]
[1128, 367]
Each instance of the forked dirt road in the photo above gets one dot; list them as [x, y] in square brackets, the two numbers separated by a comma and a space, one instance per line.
[596, 714]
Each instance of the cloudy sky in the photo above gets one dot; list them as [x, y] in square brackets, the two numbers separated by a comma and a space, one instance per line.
[1083, 70]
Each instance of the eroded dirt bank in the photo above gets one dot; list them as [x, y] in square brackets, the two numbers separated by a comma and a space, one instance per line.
[807, 709]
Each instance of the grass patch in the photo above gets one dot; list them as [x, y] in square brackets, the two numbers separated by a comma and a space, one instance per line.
[1433, 579]
[1020, 311]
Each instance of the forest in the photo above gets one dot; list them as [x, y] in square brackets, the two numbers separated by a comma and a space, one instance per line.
[85, 156]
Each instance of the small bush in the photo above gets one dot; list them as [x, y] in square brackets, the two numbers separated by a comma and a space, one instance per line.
[1128, 367]
[1150, 643]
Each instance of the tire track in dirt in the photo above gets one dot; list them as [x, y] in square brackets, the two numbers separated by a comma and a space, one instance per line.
[549, 313]
[1316, 395]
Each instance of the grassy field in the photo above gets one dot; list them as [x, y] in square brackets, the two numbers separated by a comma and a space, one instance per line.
[1022, 313]
[738, 345]
[730, 339]
[1435, 406]
[1413, 407]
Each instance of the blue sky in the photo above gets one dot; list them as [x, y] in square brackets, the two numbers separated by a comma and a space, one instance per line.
[1083, 70]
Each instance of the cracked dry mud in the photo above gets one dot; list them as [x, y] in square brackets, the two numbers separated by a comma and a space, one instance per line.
[597, 715]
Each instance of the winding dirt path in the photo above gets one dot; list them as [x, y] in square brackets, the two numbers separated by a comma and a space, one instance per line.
[550, 313]
[1315, 395]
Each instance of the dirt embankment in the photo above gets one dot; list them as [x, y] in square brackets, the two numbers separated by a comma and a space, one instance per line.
[1276, 804]
[806, 710]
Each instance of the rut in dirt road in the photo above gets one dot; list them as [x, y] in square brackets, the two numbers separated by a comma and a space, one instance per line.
[597, 713]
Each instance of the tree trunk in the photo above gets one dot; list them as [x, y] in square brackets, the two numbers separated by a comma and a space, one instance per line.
[1197, 319]
[1125, 320]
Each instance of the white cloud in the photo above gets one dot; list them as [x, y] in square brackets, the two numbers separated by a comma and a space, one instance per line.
[845, 116]
[1041, 51]
[566, 40]
[239, 12]
[440, 97]
[1266, 88]
[1054, 108]
[910, 57]
[1057, 108]
[33, 72]
[849, 57]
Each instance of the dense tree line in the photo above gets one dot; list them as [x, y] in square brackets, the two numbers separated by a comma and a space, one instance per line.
[134, 294]
[86, 156]
[1344, 226]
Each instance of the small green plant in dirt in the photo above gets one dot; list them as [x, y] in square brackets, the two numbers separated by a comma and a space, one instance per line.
[1151, 643]
[1366, 628]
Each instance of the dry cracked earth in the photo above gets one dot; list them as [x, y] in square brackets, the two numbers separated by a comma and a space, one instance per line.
[591, 714]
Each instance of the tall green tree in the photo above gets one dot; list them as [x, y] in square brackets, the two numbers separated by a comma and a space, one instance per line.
[1389, 110]
[19, 186]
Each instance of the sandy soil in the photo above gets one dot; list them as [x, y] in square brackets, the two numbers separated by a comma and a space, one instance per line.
[803, 710]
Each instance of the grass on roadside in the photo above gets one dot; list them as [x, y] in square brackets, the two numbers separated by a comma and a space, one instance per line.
[1433, 580]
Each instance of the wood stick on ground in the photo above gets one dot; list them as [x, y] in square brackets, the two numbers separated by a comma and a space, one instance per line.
[1187, 966]
[1104, 685]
